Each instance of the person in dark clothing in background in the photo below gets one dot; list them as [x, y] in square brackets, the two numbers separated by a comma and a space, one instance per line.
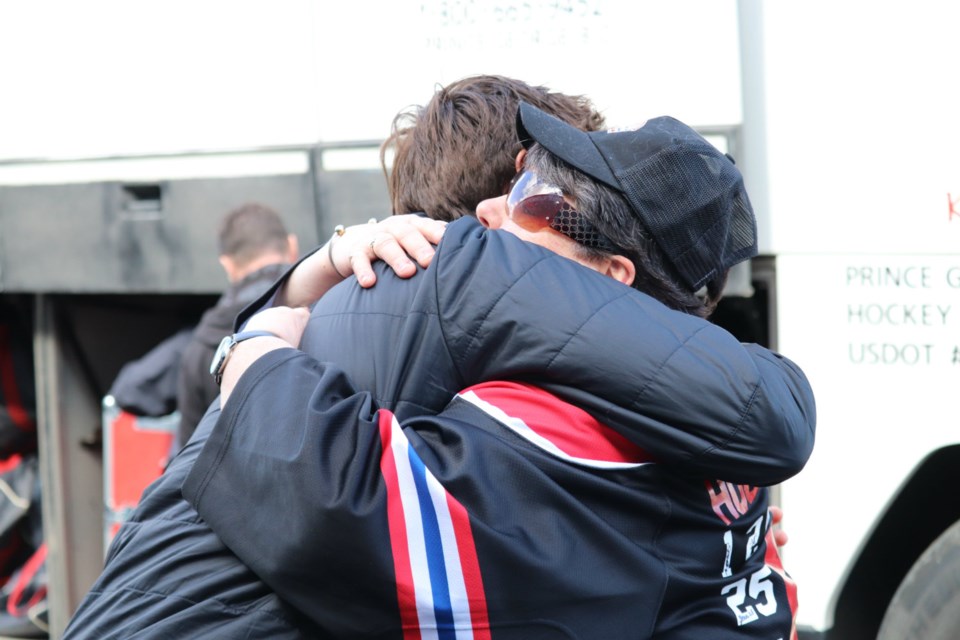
[255, 249]
[147, 386]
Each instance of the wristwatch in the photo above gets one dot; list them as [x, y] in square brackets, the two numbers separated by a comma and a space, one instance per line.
[223, 352]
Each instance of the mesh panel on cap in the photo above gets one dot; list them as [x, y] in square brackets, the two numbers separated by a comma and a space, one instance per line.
[570, 223]
[694, 205]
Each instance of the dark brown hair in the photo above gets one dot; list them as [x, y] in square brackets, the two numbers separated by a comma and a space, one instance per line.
[250, 231]
[460, 147]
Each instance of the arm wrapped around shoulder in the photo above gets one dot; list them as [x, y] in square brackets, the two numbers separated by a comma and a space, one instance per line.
[679, 386]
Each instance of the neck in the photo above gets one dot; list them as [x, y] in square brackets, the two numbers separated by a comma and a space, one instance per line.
[255, 265]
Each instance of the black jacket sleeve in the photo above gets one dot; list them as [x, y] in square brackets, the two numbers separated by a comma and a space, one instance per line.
[679, 386]
[289, 480]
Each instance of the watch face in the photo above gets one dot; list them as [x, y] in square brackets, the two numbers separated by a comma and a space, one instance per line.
[220, 356]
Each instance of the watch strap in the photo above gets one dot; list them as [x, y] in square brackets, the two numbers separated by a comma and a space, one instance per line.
[253, 333]
[226, 348]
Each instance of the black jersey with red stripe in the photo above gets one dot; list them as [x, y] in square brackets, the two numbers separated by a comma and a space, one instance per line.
[511, 514]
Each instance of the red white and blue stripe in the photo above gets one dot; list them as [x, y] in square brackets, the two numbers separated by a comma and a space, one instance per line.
[439, 586]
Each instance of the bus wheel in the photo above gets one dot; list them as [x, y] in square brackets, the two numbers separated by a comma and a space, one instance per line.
[926, 606]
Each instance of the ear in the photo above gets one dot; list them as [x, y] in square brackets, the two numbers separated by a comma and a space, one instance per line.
[620, 268]
[518, 163]
[230, 267]
[293, 248]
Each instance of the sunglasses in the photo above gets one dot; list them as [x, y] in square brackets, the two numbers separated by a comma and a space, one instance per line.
[535, 205]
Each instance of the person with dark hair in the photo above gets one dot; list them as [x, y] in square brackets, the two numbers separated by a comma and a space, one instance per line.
[668, 245]
[250, 236]
[255, 249]
[525, 508]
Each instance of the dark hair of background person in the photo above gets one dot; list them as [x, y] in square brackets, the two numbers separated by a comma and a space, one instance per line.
[460, 148]
[250, 231]
[612, 216]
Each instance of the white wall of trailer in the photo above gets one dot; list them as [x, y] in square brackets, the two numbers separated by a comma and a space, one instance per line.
[109, 77]
[856, 118]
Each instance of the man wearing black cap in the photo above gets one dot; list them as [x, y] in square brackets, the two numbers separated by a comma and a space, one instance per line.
[676, 207]
[514, 513]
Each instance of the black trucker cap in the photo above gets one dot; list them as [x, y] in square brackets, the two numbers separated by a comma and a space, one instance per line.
[687, 194]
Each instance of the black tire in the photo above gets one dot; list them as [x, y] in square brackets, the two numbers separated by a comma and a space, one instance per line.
[926, 606]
